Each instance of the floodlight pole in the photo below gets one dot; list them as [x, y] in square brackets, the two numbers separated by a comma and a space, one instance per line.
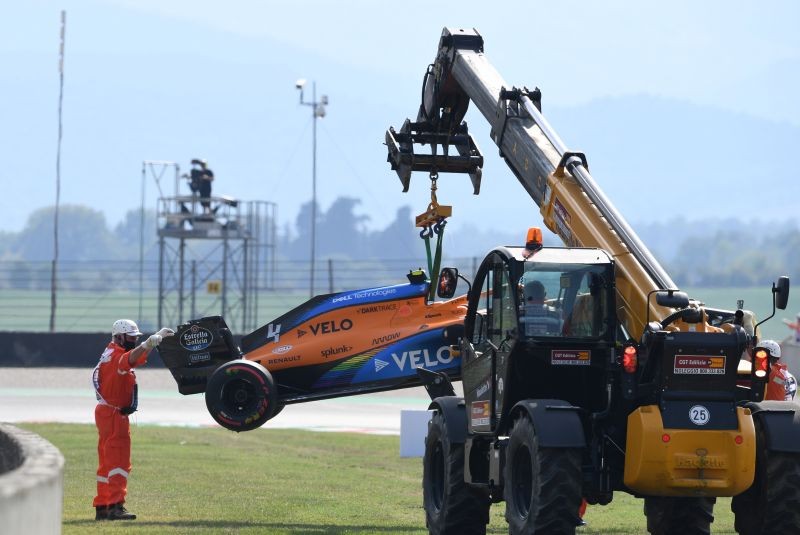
[317, 111]
[54, 264]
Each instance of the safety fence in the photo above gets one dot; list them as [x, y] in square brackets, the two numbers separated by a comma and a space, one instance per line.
[89, 296]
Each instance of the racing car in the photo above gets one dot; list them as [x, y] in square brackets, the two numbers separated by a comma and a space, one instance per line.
[333, 345]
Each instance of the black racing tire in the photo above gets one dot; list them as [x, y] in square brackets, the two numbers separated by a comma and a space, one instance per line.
[277, 408]
[772, 503]
[241, 395]
[679, 516]
[542, 485]
[451, 506]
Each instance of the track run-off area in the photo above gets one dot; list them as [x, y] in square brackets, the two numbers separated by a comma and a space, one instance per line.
[66, 395]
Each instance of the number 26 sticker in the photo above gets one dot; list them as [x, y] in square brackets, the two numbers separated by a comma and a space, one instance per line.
[699, 415]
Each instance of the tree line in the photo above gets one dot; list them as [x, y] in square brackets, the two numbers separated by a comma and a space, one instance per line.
[709, 253]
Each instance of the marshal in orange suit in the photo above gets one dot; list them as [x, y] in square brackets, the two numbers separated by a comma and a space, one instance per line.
[114, 381]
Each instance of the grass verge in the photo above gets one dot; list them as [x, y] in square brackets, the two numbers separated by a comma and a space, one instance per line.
[189, 480]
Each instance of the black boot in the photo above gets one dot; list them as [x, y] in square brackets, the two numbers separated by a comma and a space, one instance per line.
[101, 512]
[118, 512]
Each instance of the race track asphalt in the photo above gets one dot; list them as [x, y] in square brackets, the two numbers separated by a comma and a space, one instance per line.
[66, 395]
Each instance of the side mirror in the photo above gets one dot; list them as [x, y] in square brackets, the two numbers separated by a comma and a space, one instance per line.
[782, 292]
[780, 296]
[672, 299]
[448, 280]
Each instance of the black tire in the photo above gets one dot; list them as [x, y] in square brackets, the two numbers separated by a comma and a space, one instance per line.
[277, 408]
[772, 503]
[679, 516]
[542, 485]
[451, 506]
[241, 395]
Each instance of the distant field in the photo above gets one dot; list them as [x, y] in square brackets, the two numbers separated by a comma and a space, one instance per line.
[759, 300]
[281, 482]
[29, 310]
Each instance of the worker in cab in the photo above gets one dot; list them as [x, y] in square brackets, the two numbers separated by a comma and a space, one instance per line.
[782, 385]
[116, 391]
[538, 317]
[535, 295]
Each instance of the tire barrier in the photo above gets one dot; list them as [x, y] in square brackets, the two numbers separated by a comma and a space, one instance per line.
[31, 483]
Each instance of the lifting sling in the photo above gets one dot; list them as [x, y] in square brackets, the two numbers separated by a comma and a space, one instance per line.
[433, 221]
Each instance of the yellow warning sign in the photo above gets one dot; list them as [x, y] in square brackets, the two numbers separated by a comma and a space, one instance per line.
[214, 287]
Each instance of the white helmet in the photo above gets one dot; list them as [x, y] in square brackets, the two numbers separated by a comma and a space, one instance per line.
[773, 348]
[128, 327]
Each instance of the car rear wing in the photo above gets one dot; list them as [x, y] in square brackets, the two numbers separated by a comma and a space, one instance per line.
[198, 348]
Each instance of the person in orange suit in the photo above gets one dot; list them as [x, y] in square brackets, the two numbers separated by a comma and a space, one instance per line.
[795, 326]
[782, 385]
[115, 388]
[581, 512]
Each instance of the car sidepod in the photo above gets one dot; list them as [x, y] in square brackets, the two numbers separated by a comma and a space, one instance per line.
[358, 341]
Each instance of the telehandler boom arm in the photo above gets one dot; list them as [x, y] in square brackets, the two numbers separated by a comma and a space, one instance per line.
[558, 180]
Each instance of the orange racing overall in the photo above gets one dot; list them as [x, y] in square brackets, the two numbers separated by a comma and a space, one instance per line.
[115, 387]
[777, 388]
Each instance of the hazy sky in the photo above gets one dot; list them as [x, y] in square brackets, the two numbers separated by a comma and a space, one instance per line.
[726, 54]
[173, 80]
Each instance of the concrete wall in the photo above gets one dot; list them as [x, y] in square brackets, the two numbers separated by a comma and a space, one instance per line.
[71, 350]
[31, 483]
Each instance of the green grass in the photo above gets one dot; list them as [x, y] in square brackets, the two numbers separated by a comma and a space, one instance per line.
[89, 311]
[188, 480]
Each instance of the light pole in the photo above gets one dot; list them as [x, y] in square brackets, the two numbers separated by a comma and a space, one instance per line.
[317, 111]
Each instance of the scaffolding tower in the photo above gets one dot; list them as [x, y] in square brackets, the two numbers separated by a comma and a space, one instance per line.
[214, 260]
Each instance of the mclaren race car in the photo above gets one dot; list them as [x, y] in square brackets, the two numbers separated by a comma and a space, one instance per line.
[333, 345]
